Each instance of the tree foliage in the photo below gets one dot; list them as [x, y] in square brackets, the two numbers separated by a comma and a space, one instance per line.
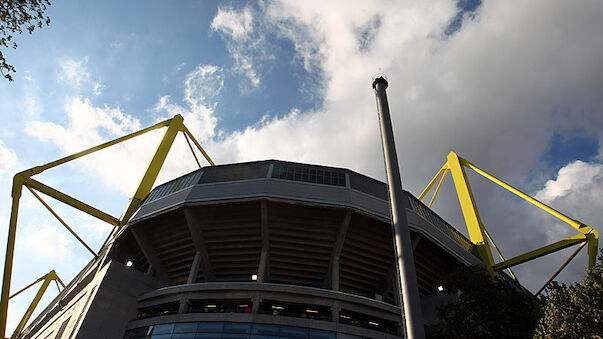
[487, 307]
[574, 311]
[17, 16]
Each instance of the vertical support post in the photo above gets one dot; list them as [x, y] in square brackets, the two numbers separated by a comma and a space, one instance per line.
[403, 246]
[10, 251]
[192, 275]
[264, 264]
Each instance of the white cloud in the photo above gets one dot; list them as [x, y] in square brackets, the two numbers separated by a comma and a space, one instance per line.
[245, 44]
[75, 74]
[121, 166]
[495, 92]
[237, 24]
[204, 83]
[574, 177]
[46, 242]
[8, 160]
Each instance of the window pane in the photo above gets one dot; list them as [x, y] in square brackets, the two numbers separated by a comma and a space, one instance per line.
[209, 327]
[185, 328]
[161, 336]
[237, 328]
[183, 336]
[163, 329]
[294, 332]
[319, 334]
[265, 329]
[234, 336]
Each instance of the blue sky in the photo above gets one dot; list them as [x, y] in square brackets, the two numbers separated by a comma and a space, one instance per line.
[514, 87]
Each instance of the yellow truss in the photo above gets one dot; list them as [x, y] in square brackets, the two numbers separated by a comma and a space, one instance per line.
[479, 234]
[174, 125]
[47, 279]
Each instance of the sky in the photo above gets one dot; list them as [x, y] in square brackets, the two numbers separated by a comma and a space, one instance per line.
[513, 86]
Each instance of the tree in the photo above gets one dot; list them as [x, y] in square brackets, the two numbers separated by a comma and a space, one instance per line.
[487, 307]
[15, 17]
[574, 311]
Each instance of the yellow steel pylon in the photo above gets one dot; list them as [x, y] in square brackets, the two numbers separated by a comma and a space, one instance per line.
[477, 231]
[174, 125]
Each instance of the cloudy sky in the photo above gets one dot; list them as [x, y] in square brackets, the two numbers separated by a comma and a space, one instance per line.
[513, 86]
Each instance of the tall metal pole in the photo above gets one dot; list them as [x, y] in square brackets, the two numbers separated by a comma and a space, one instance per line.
[405, 262]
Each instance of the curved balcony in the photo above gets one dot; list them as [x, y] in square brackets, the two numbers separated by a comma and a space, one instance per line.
[250, 307]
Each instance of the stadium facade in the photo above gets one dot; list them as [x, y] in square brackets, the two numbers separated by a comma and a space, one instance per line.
[267, 249]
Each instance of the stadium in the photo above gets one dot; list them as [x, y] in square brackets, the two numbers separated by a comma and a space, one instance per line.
[266, 249]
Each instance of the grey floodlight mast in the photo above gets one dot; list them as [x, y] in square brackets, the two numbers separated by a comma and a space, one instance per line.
[404, 258]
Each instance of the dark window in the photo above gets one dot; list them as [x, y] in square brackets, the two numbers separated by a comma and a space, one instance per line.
[308, 174]
[163, 329]
[265, 329]
[237, 328]
[210, 327]
[294, 332]
[185, 328]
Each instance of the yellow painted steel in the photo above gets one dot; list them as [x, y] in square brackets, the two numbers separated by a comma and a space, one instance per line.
[478, 233]
[537, 253]
[148, 179]
[205, 155]
[433, 181]
[173, 125]
[42, 168]
[500, 255]
[438, 188]
[73, 202]
[188, 142]
[591, 234]
[62, 221]
[47, 279]
[10, 246]
[469, 208]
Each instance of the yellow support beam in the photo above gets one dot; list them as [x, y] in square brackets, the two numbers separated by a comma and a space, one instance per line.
[56, 215]
[146, 183]
[174, 125]
[537, 253]
[73, 202]
[435, 194]
[591, 234]
[205, 155]
[433, 181]
[479, 234]
[47, 279]
[10, 247]
[469, 208]
[42, 168]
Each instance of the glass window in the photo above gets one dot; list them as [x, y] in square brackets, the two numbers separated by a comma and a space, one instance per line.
[234, 336]
[140, 332]
[209, 327]
[183, 336]
[265, 329]
[185, 328]
[237, 328]
[294, 332]
[319, 334]
[161, 336]
[163, 329]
